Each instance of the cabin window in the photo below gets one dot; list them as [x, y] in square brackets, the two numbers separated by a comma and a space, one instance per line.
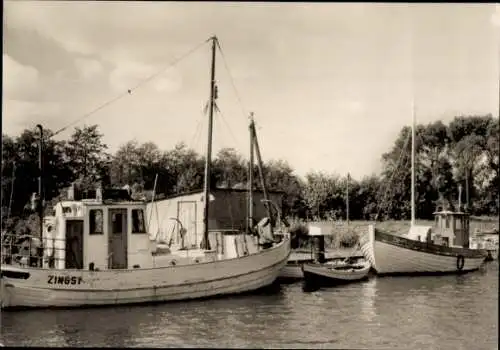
[138, 221]
[458, 224]
[447, 221]
[95, 216]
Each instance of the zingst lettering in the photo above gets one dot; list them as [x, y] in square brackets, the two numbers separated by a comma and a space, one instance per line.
[53, 279]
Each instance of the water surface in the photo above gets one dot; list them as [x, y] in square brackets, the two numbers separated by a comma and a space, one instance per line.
[445, 312]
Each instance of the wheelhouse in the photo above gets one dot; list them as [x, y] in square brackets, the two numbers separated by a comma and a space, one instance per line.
[451, 228]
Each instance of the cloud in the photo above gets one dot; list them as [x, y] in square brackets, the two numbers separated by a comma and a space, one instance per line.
[19, 81]
[102, 28]
[355, 106]
[114, 30]
[89, 68]
[127, 75]
[495, 17]
[18, 114]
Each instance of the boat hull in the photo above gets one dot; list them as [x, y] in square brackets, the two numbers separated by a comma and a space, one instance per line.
[391, 255]
[324, 274]
[77, 288]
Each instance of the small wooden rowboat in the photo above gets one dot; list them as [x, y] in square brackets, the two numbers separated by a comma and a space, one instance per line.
[336, 272]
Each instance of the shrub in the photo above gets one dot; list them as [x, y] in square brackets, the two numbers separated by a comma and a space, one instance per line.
[298, 234]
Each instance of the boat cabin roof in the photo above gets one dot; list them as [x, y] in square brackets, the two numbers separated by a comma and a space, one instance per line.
[99, 197]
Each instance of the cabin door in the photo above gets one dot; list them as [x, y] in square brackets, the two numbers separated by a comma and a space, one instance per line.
[117, 235]
[186, 214]
[74, 244]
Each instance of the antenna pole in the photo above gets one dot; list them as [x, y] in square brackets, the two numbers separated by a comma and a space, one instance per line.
[12, 189]
[347, 200]
[40, 179]
[459, 197]
[250, 177]
[413, 166]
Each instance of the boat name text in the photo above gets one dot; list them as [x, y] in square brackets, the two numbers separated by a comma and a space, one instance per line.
[53, 279]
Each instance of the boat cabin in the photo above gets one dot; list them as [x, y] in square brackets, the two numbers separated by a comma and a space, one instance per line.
[98, 233]
[450, 229]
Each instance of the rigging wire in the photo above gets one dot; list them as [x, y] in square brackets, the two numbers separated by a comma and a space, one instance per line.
[197, 134]
[399, 171]
[243, 110]
[219, 113]
[129, 91]
[394, 173]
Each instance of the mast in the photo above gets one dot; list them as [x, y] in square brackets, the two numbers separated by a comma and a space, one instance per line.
[347, 200]
[250, 178]
[261, 174]
[413, 166]
[208, 160]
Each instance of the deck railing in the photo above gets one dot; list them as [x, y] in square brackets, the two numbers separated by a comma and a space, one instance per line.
[29, 251]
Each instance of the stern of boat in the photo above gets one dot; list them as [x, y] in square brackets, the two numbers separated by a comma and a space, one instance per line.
[366, 243]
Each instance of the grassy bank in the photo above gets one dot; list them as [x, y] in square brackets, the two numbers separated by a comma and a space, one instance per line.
[344, 236]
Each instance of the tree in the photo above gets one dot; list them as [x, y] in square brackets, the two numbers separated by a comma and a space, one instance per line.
[21, 154]
[280, 176]
[186, 167]
[319, 192]
[229, 168]
[365, 198]
[86, 154]
[488, 172]
[469, 140]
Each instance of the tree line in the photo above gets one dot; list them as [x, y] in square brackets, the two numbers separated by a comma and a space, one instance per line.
[463, 153]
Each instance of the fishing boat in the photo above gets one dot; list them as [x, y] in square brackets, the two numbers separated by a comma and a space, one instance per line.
[97, 251]
[338, 271]
[443, 248]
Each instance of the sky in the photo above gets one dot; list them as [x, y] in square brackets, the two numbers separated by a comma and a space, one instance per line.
[330, 84]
